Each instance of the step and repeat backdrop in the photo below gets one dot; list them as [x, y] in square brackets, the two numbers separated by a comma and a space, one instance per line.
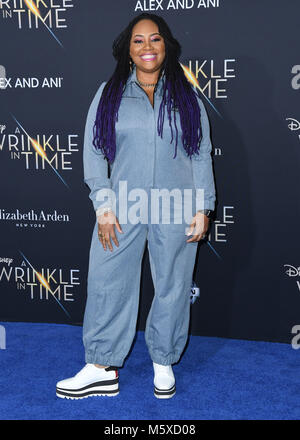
[54, 54]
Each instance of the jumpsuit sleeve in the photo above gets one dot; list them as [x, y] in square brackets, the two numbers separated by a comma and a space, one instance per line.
[202, 163]
[95, 166]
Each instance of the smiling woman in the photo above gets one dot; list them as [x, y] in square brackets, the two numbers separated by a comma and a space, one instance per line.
[126, 125]
[147, 52]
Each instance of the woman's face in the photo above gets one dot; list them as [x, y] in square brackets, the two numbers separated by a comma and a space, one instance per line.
[147, 47]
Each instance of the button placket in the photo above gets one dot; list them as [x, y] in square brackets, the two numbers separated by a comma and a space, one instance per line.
[153, 128]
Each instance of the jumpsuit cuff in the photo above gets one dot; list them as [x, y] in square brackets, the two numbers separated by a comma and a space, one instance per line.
[209, 205]
[94, 358]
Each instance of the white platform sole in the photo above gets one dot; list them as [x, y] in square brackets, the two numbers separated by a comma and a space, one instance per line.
[164, 394]
[84, 397]
[89, 390]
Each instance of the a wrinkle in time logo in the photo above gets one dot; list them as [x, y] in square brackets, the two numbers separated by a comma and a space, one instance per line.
[49, 14]
[218, 231]
[40, 152]
[210, 77]
[41, 284]
[209, 81]
[219, 228]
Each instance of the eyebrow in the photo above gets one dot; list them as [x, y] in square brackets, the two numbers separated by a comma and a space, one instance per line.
[139, 35]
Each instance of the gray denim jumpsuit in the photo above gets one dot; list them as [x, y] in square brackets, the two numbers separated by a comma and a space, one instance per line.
[143, 160]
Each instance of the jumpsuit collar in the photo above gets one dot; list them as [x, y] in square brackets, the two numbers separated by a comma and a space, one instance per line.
[132, 78]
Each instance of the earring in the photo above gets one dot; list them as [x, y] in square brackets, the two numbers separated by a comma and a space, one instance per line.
[130, 64]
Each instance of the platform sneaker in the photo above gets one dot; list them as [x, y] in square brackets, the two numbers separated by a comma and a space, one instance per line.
[164, 381]
[90, 381]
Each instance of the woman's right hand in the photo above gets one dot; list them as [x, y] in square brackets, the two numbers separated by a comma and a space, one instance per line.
[106, 229]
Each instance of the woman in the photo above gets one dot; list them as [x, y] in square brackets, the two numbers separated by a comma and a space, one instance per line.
[130, 126]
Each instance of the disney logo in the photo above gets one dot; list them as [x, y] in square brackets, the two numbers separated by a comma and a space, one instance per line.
[294, 124]
[292, 271]
[6, 260]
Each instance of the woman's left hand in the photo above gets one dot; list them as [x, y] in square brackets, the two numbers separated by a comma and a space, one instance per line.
[200, 222]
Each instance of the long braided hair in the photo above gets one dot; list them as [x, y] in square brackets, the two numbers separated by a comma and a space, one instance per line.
[177, 92]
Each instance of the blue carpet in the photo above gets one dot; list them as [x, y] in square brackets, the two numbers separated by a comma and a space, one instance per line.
[216, 379]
